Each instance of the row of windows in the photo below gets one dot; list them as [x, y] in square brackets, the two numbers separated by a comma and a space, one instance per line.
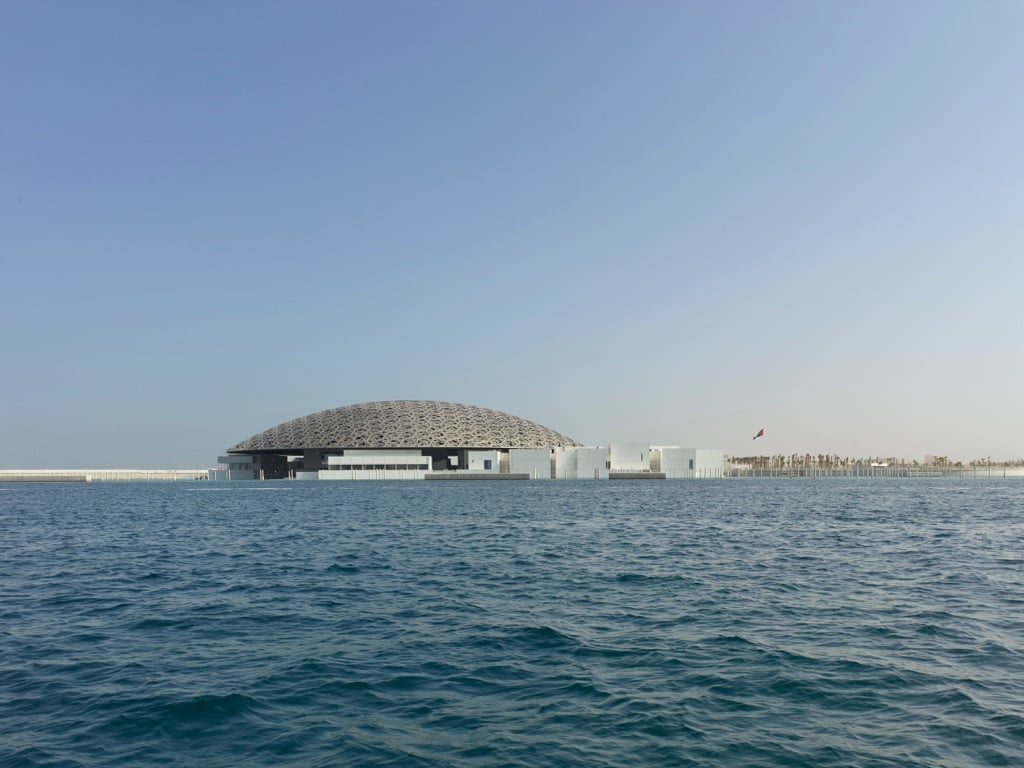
[380, 466]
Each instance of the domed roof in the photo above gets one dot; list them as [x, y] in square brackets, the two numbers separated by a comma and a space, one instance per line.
[404, 424]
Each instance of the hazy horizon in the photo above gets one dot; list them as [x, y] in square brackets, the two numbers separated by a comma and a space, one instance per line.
[673, 222]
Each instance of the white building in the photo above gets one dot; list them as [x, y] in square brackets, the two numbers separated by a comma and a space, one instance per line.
[534, 462]
[375, 465]
[629, 457]
[417, 439]
[688, 463]
[581, 463]
[234, 467]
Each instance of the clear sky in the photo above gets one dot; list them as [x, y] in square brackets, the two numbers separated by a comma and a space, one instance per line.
[670, 221]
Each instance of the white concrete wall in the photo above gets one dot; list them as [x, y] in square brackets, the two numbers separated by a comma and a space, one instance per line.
[591, 464]
[581, 463]
[565, 463]
[700, 463]
[630, 456]
[535, 462]
[709, 462]
[376, 465]
[675, 462]
[476, 459]
[372, 474]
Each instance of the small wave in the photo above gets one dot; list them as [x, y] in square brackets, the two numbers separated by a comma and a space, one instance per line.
[939, 632]
[406, 683]
[338, 568]
[146, 624]
[544, 637]
[733, 641]
[212, 707]
[88, 637]
[626, 578]
[32, 756]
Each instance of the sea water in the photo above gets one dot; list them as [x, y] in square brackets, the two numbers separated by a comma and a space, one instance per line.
[602, 623]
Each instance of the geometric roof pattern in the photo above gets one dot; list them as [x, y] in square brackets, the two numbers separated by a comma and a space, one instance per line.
[404, 424]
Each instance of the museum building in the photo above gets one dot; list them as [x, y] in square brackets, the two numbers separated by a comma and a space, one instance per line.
[430, 440]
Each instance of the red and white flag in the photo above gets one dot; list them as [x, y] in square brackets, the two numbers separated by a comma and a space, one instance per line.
[760, 433]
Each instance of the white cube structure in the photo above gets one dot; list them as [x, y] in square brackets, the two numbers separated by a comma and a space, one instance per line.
[535, 462]
[689, 463]
[235, 467]
[482, 461]
[708, 462]
[581, 464]
[630, 457]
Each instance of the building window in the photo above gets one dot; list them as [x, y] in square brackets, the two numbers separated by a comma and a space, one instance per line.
[691, 464]
[487, 463]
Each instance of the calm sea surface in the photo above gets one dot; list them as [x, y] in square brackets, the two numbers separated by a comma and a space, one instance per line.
[702, 623]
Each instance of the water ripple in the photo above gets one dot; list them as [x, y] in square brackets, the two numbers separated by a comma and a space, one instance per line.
[819, 623]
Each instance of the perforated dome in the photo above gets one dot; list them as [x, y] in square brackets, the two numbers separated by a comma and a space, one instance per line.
[404, 424]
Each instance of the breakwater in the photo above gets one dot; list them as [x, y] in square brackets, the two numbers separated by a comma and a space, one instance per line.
[98, 475]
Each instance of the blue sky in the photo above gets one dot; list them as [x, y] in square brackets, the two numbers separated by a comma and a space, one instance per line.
[670, 221]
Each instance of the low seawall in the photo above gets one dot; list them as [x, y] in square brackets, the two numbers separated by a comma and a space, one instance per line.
[476, 476]
[97, 475]
[29, 477]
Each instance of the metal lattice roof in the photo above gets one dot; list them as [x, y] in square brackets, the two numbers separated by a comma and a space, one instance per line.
[404, 424]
